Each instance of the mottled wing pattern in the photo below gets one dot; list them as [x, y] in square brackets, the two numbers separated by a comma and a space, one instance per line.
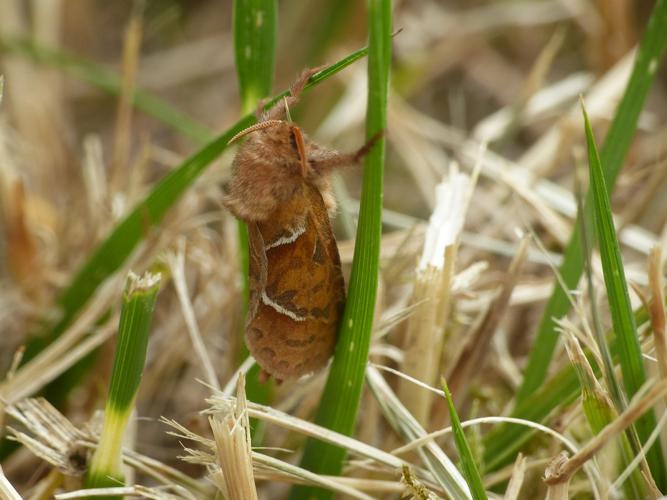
[257, 268]
[293, 329]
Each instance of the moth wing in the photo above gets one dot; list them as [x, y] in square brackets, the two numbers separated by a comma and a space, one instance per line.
[304, 277]
[298, 295]
[257, 268]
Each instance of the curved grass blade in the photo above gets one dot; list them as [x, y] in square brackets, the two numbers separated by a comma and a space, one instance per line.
[625, 328]
[468, 464]
[612, 154]
[340, 400]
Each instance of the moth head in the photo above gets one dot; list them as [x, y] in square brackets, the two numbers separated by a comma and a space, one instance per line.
[287, 138]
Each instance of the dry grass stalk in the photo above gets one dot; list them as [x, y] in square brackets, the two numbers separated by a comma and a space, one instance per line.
[232, 440]
[281, 471]
[657, 308]
[614, 33]
[272, 416]
[131, 491]
[562, 468]
[53, 438]
[516, 481]
[292, 473]
[74, 344]
[177, 266]
[591, 385]
[546, 152]
[477, 346]
[426, 328]
[558, 490]
[7, 491]
[531, 85]
[123, 131]
[439, 464]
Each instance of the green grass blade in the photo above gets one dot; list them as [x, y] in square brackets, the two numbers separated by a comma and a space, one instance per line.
[470, 471]
[340, 400]
[625, 328]
[612, 154]
[255, 26]
[254, 48]
[128, 365]
[600, 411]
[105, 79]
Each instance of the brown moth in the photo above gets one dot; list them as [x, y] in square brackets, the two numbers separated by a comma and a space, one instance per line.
[280, 187]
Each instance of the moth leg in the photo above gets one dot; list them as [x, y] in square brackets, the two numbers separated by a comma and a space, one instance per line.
[265, 376]
[326, 160]
[278, 111]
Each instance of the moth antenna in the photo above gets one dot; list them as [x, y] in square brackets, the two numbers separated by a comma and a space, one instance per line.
[287, 114]
[301, 148]
[254, 128]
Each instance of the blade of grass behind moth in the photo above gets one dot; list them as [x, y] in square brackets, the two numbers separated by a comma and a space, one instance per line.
[614, 149]
[126, 235]
[468, 464]
[340, 400]
[254, 48]
[625, 328]
[255, 25]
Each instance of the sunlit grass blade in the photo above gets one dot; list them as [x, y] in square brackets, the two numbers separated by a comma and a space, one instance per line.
[468, 464]
[340, 400]
[625, 328]
[612, 154]
[255, 26]
[128, 365]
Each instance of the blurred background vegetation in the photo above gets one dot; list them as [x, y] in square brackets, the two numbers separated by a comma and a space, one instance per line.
[79, 150]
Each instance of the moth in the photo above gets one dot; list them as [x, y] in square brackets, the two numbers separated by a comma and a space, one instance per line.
[280, 186]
